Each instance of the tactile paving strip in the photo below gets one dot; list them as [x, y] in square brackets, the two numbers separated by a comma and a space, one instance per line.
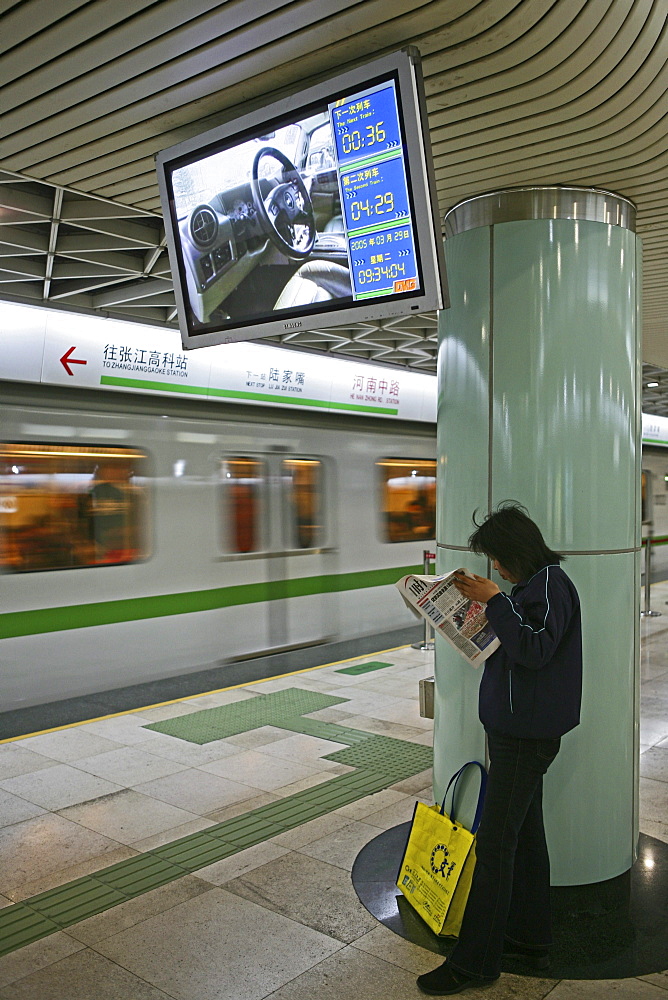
[363, 668]
[22, 925]
[325, 730]
[379, 761]
[229, 720]
[76, 900]
[386, 754]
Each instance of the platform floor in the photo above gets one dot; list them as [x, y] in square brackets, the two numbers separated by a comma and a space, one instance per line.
[202, 849]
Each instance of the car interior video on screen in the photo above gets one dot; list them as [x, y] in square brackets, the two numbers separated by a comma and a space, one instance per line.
[306, 215]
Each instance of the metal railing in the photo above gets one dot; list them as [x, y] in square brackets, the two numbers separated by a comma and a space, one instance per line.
[647, 612]
[428, 565]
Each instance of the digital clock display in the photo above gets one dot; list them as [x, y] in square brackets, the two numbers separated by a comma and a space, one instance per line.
[374, 192]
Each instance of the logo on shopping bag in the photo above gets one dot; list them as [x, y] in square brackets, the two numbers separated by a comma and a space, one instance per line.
[408, 883]
[439, 862]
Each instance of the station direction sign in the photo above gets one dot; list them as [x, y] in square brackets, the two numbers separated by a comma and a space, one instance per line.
[655, 430]
[81, 351]
[111, 354]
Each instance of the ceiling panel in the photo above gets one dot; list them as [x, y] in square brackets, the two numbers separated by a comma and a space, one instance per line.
[519, 92]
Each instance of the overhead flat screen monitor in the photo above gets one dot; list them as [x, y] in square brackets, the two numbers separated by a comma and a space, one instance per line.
[315, 211]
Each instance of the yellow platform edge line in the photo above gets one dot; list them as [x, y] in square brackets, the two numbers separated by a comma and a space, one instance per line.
[202, 694]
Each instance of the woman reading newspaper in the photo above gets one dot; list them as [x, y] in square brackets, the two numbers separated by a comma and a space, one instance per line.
[529, 697]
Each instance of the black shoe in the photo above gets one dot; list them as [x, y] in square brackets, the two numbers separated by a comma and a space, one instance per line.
[535, 958]
[444, 981]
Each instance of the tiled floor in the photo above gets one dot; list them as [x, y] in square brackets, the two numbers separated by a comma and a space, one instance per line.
[278, 919]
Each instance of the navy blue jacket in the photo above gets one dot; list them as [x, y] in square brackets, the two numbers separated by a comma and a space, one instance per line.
[532, 684]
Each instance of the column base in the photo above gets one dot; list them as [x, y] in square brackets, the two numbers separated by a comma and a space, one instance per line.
[615, 929]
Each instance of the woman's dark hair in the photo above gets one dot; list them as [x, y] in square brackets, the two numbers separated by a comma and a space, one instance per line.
[510, 536]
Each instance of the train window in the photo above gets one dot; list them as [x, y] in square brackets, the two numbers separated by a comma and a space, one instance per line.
[408, 489]
[303, 485]
[244, 482]
[63, 506]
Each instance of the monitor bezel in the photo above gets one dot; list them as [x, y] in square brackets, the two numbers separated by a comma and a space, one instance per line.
[405, 67]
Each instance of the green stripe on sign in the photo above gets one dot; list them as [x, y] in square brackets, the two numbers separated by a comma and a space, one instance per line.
[258, 397]
[18, 623]
[141, 383]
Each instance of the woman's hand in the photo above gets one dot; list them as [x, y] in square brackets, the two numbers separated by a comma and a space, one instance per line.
[476, 588]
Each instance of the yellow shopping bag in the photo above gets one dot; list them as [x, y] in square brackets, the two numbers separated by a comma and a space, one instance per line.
[437, 867]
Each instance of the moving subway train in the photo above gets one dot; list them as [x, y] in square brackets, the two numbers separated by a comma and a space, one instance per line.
[206, 515]
[161, 535]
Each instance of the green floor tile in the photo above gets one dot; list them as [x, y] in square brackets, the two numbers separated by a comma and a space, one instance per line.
[140, 874]
[74, 901]
[349, 791]
[248, 829]
[363, 668]
[230, 827]
[351, 736]
[240, 717]
[333, 731]
[387, 754]
[317, 793]
[287, 814]
[378, 762]
[299, 701]
[20, 925]
[196, 851]
[256, 835]
[313, 727]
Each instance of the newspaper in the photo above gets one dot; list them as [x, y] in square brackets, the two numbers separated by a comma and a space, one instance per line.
[461, 621]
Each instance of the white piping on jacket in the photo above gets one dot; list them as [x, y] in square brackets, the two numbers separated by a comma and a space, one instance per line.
[510, 689]
[536, 631]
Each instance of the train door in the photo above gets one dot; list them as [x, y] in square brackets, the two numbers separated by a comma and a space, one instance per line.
[298, 610]
[247, 533]
[275, 532]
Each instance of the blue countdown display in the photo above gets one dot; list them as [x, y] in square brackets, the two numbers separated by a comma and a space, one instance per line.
[374, 193]
[366, 124]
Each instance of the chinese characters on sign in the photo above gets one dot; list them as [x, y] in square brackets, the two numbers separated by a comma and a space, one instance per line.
[138, 359]
[276, 380]
[375, 390]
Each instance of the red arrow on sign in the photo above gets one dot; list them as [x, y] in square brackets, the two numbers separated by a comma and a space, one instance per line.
[66, 361]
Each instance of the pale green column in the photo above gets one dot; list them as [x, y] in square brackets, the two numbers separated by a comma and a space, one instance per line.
[539, 401]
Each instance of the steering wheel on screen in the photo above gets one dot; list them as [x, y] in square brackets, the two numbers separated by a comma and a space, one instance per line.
[287, 206]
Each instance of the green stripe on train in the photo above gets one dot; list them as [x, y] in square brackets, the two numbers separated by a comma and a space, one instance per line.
[19, 623]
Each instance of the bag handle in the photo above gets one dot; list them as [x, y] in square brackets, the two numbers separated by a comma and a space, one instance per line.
[454, 780]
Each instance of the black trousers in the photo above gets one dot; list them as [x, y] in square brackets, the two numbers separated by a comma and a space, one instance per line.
[510, 892]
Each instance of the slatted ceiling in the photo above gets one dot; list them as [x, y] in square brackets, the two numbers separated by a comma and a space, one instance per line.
[539, 98]
[199, 93]
[165, 71]
[519, 92]
[101, 33]
[39, 60]
[21, 21]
